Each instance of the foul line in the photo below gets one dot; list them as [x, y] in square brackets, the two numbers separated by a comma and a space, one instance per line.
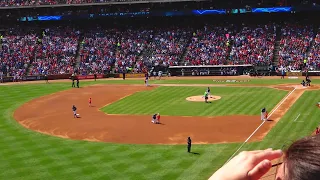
[260, 125]
[296, 117]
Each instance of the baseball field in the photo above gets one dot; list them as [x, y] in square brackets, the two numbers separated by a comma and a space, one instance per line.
[115, 139]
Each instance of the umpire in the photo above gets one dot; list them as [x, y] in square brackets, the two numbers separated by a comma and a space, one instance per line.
[189, 144]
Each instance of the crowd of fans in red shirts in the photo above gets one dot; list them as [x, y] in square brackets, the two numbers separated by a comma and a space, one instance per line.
[208, 46]
[61, 50]
[294, 43]
[254, 45]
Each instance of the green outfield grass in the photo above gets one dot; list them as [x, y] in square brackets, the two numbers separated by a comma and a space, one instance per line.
[28, 155]
[172, 101]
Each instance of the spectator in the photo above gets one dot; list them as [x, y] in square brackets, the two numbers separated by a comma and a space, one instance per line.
[295, 41]
[208, 46]
[57, 52]
[300, 162]
[254, 45]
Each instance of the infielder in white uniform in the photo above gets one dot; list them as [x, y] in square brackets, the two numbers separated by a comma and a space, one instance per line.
[264, 114]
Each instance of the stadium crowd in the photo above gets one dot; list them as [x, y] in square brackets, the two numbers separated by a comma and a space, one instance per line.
[294, 44]
[254, 45]
[314, 56]
[56, 51]
[167, 46]
[208, 46]
[17, 51]
[61, 50]
[98, 51]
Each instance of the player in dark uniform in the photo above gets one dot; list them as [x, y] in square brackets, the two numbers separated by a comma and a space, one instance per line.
[189, 144]
[46, 79]
[95, 76]
[124, 74]
[77, 83]
[74, 109]
[308, 81]
[146, 81]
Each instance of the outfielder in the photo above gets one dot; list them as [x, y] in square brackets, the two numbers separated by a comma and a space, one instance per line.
[264, 114]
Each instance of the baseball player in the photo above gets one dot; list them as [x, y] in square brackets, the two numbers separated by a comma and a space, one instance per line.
[189, 144]
[264, 114]
[146, 79]
[74, 109]
[73, 78]
[46, 79]
[317, 130]
[206, 97]
[154, 119]
[318, 104]
[158, 118]
[90, 101]
[160, 74]
[209, 91]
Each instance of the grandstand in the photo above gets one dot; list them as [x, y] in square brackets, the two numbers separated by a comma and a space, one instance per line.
[132, 45]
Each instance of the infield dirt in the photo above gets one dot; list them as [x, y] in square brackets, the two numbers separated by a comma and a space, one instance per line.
[52, 115]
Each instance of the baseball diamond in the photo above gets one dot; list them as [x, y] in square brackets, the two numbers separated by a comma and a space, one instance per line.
[120, 114]
[159, 90]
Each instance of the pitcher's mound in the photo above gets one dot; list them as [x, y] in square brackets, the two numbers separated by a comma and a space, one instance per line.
[201, 98]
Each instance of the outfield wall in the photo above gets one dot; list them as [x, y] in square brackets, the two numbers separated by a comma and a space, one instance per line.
[175, 71]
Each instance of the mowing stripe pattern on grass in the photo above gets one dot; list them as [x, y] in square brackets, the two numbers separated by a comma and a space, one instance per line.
[27, 155]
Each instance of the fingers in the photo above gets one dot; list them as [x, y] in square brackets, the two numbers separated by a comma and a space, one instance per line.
[258, 171]
[259, 151]
[267, 154]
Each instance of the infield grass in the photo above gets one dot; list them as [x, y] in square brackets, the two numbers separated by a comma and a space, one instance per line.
[172, 101]
[28, 155]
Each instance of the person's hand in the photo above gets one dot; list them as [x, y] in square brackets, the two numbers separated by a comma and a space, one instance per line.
[248, 165]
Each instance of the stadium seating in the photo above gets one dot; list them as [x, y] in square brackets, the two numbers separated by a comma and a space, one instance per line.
[208, 47]
[102, 50]
[132, 43]
[12, 3]
[167, 46]
[17, 51]
[254, 45]
[98, 52]
[295, 41]
[314, 57]
[57, 52]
